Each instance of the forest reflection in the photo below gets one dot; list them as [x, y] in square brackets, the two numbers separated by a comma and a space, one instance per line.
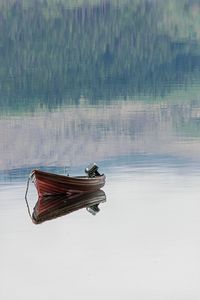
[92, 81]
[53, 52]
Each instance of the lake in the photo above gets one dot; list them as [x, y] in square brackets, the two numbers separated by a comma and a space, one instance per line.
[116, 83]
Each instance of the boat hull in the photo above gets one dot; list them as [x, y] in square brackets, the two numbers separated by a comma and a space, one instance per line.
[53, 184]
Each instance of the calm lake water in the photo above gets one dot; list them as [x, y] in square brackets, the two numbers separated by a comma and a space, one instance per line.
[118, 83]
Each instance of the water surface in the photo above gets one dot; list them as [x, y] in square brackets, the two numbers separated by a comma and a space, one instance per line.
[115, 82]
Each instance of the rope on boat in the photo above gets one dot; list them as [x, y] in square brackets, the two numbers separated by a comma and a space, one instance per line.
[26, 194]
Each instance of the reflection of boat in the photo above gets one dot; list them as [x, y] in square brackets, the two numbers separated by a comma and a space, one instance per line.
[53, 206]
[53, 184]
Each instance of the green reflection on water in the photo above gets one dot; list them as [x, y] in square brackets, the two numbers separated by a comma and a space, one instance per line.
[98, 79]
[54, 53]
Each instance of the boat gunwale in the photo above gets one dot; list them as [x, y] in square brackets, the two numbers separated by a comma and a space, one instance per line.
[73, 179]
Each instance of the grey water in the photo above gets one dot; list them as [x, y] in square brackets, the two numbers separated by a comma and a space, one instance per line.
[116, 83]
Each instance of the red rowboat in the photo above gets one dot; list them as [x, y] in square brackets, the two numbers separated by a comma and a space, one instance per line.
[53, 184]
[53, 206]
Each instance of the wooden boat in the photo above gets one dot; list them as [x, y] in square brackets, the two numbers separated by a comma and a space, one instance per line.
[54, 184]
[54, 206]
